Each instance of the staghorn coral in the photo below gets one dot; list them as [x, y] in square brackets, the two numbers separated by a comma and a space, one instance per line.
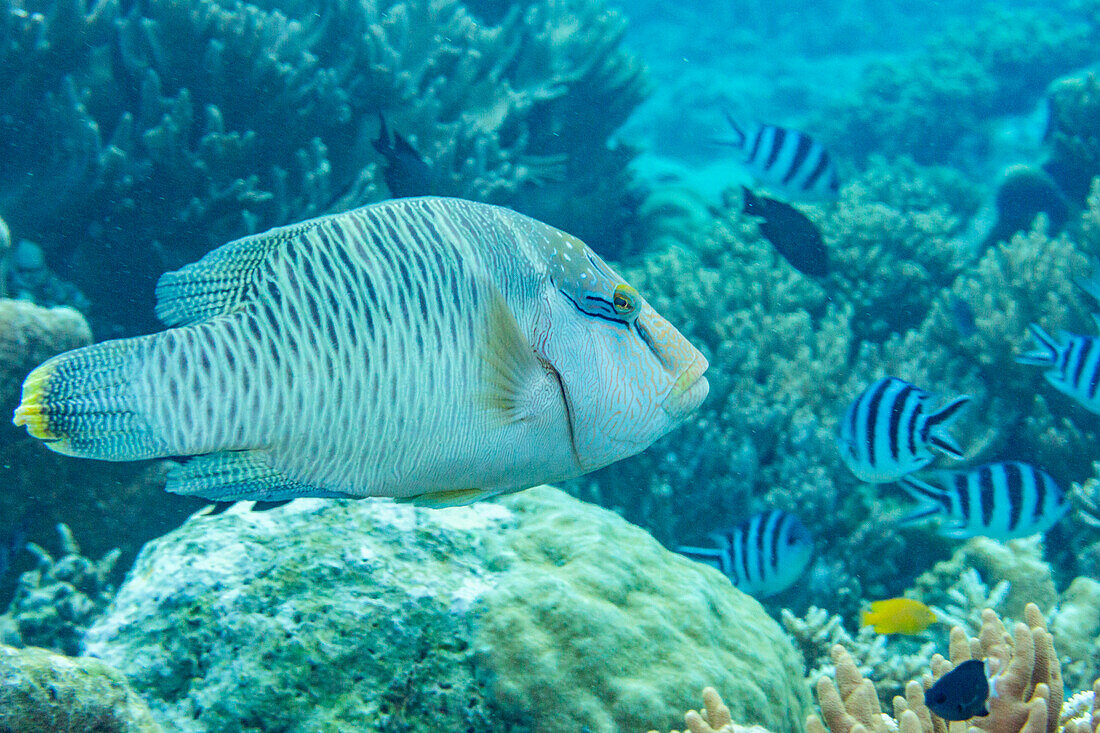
[1029, 685]
[966, 598]
[1075, 624]
[56, 602]
[188, 124]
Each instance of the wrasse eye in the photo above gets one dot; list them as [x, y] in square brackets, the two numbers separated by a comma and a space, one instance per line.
[624, 300]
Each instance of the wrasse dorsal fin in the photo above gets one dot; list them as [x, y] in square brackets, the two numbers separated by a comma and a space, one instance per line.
[218, 282]
[1046, 355]
[518, 385]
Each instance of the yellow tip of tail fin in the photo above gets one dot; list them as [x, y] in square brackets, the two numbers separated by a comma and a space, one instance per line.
[32, 413]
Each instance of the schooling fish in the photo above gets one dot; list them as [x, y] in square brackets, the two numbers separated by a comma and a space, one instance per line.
[962, 693]
[1072, 363]
[898, 616]
[791, 233]
[427, 348]
[887, 432]
[999, 500]
[788, 162]
[405, 171]
[762, 556]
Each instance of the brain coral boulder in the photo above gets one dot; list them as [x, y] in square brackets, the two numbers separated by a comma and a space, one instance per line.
[537, 613]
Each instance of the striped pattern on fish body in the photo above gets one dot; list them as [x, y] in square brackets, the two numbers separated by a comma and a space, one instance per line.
[762, 556]
[999, 500]
[787, 161]
[887, 431]
[419, 347]
[1072, 364]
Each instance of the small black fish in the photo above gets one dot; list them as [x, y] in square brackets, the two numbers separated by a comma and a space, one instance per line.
[1024, 193]
[960, 694]
[962, 316]
[405, 171]
[791, 233]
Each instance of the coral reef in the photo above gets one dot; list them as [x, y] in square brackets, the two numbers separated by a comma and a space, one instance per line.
[57, 601]
[1081, 713]
[186, 125]
[1029, 685]
[787, 353]
[1074, 134]
[959, 585]
[538, 612]
[45, 692]
[930, 106]
[892, 661]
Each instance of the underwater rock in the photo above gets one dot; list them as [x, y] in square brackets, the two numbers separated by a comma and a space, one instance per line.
[45, 692]
[537, 613]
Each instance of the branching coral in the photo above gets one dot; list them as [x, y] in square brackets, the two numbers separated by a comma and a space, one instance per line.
[1028, 685]
[1081, 713]
[56, 602]
[890, 660]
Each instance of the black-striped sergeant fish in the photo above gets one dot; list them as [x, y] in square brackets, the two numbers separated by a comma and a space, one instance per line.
[787, 162]
[432, 349]
[762, 556]
[889, 430]
[1003, 500]
[1072, 364]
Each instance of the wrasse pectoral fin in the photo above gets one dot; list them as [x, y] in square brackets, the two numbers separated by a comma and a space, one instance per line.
[518, 384]
[444, 499]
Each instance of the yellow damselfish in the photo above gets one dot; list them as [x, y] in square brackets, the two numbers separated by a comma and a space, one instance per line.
[898, 616]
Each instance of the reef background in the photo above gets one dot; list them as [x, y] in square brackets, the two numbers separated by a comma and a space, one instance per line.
[137, 135]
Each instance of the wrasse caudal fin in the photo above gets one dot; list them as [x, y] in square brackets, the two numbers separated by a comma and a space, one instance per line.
[81, 404]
